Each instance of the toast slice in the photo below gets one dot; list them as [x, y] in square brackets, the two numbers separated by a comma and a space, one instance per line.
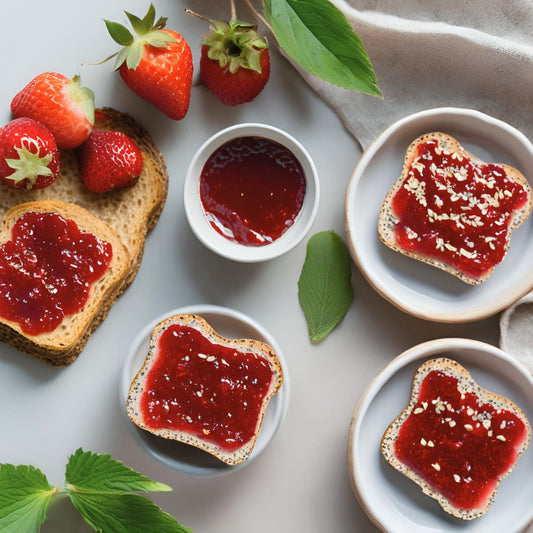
[456, 440]
[131, 212]
[451, 210]
[61, 344]
[203, 390]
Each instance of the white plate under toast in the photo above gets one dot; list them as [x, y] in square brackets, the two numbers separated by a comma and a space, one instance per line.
[182, 457]
[415, 287]
[397, 504]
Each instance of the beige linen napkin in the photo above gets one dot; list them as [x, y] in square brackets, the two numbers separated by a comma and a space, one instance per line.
[476, 54]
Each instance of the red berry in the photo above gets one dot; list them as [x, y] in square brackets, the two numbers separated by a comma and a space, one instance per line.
[29, 156]
[109, 160]
[59, 103]
[156, 65]
[235, 62]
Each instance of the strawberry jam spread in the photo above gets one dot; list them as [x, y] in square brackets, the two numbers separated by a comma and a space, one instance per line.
[461, 446]
[252, 190]
[456, 210]
[46, 271]
[204, 389]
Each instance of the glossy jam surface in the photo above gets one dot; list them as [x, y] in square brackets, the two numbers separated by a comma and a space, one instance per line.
[459, 445]
[456, 210]
[46, 271]
[252, 190]
[205, 389]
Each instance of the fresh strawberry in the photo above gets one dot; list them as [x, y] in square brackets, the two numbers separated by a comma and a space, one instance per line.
[59, 103]
[156, 64]
[28, 154]
[109, 160]
[235, 62]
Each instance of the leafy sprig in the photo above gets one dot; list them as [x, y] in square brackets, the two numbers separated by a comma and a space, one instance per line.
[102, 489]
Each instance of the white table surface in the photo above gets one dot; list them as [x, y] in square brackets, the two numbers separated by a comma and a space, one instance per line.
[300, 482]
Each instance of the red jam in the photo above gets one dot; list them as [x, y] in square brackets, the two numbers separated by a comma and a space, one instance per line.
[252, 190]
[459, 445]
[456, 210]
[207, 390]
[46, 271]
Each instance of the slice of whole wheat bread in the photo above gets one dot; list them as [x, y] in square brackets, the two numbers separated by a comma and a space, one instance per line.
[246, 346]
[388, 219]
[479, 423]
[131, 212]
[64, 343]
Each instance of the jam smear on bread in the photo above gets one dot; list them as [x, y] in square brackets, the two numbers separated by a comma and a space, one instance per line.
[455, 439]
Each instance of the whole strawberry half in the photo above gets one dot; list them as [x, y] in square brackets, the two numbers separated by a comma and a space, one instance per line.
[109, 160]
[235, 62]
[59, 103]
[156, 64]
[29, 156]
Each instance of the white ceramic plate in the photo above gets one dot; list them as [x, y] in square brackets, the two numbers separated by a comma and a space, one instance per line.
[415, 287]
[233, 250]
[176, 455]
[394, 502]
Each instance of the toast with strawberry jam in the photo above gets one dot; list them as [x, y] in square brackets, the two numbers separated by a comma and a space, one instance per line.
[61, 268]
[203, 390]
[453, 211]
[130, 213]
[456, 440]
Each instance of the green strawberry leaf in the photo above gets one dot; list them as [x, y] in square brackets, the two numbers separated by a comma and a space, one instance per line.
[138, 24]
[125, 513]
[318, 36]
[92, 472]
[119, 33]
[324, 288]
[25, 495]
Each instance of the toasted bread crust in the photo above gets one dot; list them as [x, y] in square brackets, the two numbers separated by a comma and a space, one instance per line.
[465, 384]
[242, 345]
[60, 345]
[387, 220]
[130, 212]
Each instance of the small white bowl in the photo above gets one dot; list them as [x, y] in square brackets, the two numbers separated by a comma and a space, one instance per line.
[394, 502]
[182, 457]
[415, 287]
[220, 244]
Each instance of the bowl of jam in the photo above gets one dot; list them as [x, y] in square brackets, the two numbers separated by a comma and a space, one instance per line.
[251, 192]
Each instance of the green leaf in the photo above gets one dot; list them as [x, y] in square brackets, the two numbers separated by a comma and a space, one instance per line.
[321, 40]
[119, 33]
[25, 495]
[92, 472]
[324, 288]
[125, 513]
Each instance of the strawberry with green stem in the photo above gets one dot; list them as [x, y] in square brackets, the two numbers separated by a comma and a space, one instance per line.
[235, 62]
[156, 63]
[29, 157]
[61, 104]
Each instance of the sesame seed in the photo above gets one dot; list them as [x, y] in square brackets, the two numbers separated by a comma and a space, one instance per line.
[457, 478]
[418, 410]
[452, 423]
[431, 444]
[436, 466]
[501, 437]
[468, 427]
[423, 442]
[503, 424]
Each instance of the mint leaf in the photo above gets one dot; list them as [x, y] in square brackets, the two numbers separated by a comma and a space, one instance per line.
[92, 472]
[24, 498]
[124, 513]
[324, 288]
[318, 36]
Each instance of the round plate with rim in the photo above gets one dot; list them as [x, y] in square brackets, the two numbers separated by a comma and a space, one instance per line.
[394, 502]
[189, 459]
[413, 286]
